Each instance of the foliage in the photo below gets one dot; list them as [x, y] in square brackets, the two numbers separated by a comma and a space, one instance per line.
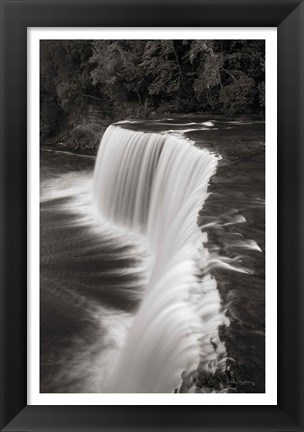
[228, 73]
[134, 78]
[86, 137]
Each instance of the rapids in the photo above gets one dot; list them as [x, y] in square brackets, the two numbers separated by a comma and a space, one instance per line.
[134, 263]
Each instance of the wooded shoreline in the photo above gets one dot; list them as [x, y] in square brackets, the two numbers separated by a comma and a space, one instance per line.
[88, 85]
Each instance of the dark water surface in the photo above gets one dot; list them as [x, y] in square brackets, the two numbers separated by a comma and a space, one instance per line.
[86, 304]
[80, 286]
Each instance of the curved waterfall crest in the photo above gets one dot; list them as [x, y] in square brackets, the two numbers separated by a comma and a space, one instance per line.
[155, 185]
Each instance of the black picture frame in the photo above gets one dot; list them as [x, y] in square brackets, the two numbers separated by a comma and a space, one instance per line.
[16, 16]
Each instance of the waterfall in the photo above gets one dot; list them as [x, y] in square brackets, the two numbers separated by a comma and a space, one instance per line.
[155, 185]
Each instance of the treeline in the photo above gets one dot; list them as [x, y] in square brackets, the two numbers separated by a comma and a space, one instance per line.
[134, 78]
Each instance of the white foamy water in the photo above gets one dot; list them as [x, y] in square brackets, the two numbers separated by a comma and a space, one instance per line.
[156, 184]
[143, 202]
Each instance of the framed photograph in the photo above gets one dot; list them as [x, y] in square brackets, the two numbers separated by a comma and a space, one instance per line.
[152, 187]
[152, 160]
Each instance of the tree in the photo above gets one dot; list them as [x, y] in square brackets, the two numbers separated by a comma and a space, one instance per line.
[116, 69]
[130, 78]
[229, 74]
[65, 81]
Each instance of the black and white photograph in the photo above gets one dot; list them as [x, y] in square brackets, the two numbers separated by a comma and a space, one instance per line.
[152, 216]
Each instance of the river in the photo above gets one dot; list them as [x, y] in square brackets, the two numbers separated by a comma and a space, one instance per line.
[104, 316]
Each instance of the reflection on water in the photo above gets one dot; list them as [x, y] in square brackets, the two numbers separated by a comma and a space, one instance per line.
[93, 280]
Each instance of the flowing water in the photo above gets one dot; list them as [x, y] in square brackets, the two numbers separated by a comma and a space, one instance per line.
[135, 258]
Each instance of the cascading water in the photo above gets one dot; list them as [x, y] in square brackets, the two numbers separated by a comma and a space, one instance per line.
[155, 185]
[128, 303]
